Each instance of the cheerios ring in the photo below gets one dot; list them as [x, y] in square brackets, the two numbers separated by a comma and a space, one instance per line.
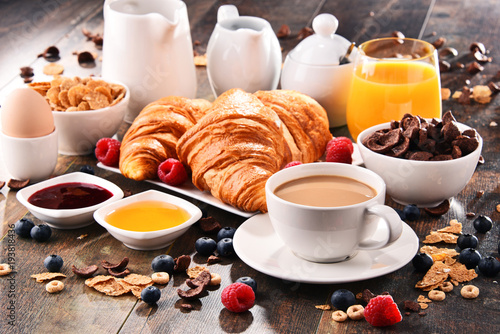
[446, 287]
[356, 312]
[469, 291]
[54, 286]
[436, 295]
[160, 278]
[5, 269]
[339, 316]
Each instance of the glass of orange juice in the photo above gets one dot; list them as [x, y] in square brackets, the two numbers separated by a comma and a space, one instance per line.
[392, 77]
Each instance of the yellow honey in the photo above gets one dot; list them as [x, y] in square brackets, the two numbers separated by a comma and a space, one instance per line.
[146, 216]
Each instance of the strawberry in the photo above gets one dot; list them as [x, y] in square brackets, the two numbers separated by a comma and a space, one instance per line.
[172, 172]
[338, 151]
[238, 297]
[293, 163]
[107, 151]
[382, 311]
[341, 139]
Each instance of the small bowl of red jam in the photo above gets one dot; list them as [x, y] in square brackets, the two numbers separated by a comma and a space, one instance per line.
[69, 201]
[148, 220]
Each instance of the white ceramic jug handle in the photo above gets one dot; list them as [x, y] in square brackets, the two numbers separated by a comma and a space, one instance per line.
[227, 12]
[393, 222]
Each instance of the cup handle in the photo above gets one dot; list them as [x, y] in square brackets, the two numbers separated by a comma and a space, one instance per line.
[393, 222]
[227, 12]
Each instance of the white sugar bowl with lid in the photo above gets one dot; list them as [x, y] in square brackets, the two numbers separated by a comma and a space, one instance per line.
[313, 68]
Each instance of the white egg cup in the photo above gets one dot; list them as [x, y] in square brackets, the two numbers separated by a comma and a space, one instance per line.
[30, 158]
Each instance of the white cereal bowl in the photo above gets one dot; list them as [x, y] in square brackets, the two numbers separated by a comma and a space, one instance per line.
[153, 239]
[79, 131]
[423, 183]
[68, 218]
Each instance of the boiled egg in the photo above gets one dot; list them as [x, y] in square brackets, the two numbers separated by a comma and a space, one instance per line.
[26, 114]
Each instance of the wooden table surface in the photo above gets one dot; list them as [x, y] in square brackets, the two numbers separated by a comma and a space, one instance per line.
[282, 306]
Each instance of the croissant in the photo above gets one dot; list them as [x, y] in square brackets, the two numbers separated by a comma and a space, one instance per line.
[153, 136]
[306, 126]
[234, 149]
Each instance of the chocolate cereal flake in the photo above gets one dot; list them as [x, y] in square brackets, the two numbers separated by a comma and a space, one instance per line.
[17, 184]
[115, 266]
[84, 272]
[182, 263]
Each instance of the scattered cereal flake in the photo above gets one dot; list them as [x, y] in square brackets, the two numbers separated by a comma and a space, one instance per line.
[454, 227]
[456, 95]
[200, 60]
[431, 250]
[498, 207]
[423, 306]
[53, 69]
[423, 299]
[481, 94]
[98, 279]
[193, 272]
[83, 236]
[434, 276]
[460, 273]
[445, 93]
[111, 287]
[323, 307]
[436, 237]
[40, 278]
[493, 123]
[136, 279]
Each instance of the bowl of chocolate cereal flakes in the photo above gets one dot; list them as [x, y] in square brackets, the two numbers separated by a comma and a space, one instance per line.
[84, 109]
[422, 161]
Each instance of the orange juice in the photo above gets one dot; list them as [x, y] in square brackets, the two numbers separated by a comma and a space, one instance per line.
[147, 216]
[385, 90]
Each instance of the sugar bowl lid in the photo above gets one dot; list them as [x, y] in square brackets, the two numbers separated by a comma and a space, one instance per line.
[324, 47]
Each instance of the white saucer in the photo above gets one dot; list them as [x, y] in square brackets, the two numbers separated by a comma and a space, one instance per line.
[258, 246]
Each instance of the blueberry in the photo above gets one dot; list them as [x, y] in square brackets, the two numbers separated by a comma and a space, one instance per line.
[483, 224]
[411, 212]
[225, 247]
[87, 169]
[163, 263]
[23, 227]
[53, 263]
[41, 232]
[469, 257]
[489, 266]
[226, 232]
[205, 246]
[150, 295]
[342, 299]
[467, 241]
[401, 214]
[248, 281]
[422, 262]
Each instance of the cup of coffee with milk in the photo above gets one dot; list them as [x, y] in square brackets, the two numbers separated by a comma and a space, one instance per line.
[326, 212]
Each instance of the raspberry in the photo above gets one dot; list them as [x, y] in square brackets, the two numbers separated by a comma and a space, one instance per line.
[238, 297]
[172, 172]
[343, 140]
[338, 151]
[293, 163]
[107, 151]
[382, 311]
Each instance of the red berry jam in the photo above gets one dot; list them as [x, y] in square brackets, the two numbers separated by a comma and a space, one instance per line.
[71, 195]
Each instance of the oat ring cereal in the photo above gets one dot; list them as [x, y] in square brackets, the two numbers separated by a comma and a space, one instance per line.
[469, 291]
[356, 312]
[54, 286]
[160, 278]
[5, 269]
[215, 279]
[436, 295]
[339, 316]
[446, 287]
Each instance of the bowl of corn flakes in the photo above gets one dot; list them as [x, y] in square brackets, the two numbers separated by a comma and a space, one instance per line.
[85, 110]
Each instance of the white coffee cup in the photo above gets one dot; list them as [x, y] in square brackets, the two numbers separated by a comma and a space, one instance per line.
[332, 234]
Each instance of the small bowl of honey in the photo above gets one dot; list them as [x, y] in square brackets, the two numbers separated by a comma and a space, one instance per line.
[148, 220]
[68, 201]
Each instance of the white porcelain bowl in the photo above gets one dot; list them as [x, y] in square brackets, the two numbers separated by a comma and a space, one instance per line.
[79, 131]
[423, 183]
[68, 218]
[152, 239]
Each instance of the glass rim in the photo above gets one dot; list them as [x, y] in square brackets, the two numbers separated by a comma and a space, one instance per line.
[361, 48]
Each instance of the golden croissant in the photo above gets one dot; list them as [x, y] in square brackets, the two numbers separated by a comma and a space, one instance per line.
[245, 138]
[152, 137]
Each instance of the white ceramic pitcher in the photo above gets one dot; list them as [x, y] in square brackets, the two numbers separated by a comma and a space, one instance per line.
[147, 46]
[243, 52]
